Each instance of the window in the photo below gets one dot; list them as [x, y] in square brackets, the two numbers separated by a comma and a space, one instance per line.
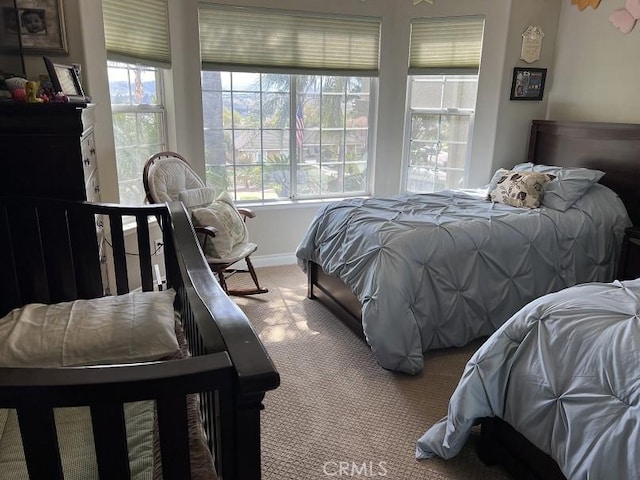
[440, 110]
[138, 123]
[287, 101]
[444, 61]
[271, 136]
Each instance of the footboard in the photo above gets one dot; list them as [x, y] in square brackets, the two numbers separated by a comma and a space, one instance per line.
[49, 253]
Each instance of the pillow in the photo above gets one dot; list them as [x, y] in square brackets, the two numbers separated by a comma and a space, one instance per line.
[570, 184]
[520, 189]
[130, 328]
[223, 215]
[197, 197]
[494, 180]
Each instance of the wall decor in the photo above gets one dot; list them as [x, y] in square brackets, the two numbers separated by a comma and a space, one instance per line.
[624, 19]
[531, 44]
[582, 4]
[41, 24]
[528, 83]
[416, 2]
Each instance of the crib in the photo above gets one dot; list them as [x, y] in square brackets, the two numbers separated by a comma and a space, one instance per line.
[52, 251]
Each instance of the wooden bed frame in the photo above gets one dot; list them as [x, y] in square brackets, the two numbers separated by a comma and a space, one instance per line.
[610, 147]
[49, 253]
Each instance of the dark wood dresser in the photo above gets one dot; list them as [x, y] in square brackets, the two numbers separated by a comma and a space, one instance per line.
[48, 150]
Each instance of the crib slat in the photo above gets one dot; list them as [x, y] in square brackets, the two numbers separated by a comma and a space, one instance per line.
[110, 438]
[144, 252]
[10, 297]
[84, 245]
[174, 437]
[119, 256]
[40, 442]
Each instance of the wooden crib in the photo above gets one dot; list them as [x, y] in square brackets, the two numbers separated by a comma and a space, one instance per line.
[49, 253]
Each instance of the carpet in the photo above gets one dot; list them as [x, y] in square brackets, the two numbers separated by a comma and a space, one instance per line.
[337, 413]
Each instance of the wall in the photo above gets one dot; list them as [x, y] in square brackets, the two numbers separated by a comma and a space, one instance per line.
[501, 127]
[597, 69]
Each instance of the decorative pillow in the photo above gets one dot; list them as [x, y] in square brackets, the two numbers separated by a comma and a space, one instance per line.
[130, 328]
[223, 215]
[197, 197]
[520, 189]
[494, 180]
[570, 184]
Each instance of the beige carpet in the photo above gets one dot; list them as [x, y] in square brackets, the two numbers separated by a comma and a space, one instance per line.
[336, 404]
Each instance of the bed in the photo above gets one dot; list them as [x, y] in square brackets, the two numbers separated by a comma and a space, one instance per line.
[562, 372]
[469, 272]
[188, 410]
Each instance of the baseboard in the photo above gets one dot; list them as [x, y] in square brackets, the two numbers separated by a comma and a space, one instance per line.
[273, 260]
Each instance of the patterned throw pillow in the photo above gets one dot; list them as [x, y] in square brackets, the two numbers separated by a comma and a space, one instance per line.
[520, 189]
[225, 218]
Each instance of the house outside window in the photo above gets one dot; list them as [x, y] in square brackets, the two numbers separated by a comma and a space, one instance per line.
[139, 125]
[440, 123]
[274, 136]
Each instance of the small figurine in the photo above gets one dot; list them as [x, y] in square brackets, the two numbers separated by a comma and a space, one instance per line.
[31, 92]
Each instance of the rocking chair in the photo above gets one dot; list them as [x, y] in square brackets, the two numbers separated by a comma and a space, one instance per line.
[167, 176]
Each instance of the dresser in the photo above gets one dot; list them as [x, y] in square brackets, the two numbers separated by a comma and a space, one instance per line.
[48, 150]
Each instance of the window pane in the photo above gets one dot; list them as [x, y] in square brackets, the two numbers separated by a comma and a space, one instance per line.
[138, 132]
[437, 156]
[317, 132]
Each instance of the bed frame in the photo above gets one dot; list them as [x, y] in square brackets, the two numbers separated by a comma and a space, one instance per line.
[49, 253]
[611, 147]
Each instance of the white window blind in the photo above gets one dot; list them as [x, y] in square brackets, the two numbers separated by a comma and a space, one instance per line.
[137, 32]
[267, 40]
[446, 45]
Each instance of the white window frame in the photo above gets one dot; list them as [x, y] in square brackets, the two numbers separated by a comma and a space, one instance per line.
[442, 111]
[142, 109]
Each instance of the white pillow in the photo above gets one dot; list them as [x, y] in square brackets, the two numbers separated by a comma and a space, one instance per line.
[197, 197]
[225, 218]
[130, 328]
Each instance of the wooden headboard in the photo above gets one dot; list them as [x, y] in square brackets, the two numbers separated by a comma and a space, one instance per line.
[613, 148]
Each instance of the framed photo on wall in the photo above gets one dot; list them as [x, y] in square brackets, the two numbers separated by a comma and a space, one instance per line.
[41, 25]
[528, 83]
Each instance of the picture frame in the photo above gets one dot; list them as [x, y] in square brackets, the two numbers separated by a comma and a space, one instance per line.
[42, 26]
[64, 78]
[528, 83]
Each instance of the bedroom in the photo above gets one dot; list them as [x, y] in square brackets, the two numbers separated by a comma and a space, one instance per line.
[580, 49]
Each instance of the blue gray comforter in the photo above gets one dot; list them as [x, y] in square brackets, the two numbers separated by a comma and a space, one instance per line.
[440, 270]
[564, 372]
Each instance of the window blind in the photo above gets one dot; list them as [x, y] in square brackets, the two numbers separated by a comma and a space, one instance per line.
[137, 32]
[446, 45]
[267, 40]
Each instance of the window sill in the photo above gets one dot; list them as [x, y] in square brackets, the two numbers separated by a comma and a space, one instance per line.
[288, 204]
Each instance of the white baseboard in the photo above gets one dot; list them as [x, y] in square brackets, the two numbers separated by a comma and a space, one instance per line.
[274, 260]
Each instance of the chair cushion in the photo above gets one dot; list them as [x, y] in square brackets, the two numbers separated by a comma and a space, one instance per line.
[197, 197]
[168, 177]
[225, 218]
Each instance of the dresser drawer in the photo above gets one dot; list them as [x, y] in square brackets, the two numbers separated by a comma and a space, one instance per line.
[88, 152]
[92, 186]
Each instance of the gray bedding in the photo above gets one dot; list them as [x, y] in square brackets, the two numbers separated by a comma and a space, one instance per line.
[439, 270]
[564, 372]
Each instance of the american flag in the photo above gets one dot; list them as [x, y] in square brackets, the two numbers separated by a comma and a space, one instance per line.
[299, 126]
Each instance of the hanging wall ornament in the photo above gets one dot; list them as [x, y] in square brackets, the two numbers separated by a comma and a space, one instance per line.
[625, 18]
[582, 4]
[416, 2]
[531, 44]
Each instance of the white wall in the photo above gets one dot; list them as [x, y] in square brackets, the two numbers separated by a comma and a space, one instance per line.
[501, 127]
[597, 68]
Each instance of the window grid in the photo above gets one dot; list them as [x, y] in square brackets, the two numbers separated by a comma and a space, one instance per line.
[439, 128]
[275, 169]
